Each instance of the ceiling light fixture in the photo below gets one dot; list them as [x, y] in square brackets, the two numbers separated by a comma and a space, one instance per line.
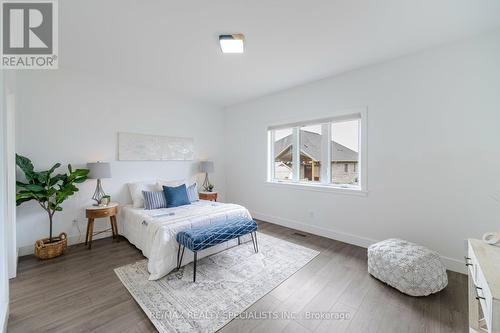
[232, 43]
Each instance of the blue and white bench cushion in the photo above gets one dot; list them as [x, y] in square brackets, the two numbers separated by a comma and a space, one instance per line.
[203, 237]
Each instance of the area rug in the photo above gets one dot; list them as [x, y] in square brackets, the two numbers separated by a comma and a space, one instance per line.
[226, 284]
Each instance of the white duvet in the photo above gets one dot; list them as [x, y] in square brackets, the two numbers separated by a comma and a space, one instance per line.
[154, 231]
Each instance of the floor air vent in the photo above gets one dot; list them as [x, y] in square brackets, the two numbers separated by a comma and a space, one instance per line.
[299, 234]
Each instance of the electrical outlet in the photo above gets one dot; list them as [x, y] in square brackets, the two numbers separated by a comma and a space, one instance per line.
[311, 214]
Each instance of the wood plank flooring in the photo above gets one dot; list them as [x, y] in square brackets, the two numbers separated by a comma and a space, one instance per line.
[79, 292]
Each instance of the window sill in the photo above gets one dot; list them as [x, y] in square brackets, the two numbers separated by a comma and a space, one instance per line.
[319, 188]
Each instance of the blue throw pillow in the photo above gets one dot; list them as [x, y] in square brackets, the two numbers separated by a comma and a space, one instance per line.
[193, 193]
[176, 196]
[154, 200]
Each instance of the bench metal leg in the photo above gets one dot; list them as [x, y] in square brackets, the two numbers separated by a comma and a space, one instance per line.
[179, 260]
[178, 255]
[254, 242]
[194, 268]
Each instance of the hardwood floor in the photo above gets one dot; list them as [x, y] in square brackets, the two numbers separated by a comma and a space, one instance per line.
[79, 292]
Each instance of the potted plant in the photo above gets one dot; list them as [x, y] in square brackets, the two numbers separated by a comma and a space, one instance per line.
[105, 200]
[49, 191]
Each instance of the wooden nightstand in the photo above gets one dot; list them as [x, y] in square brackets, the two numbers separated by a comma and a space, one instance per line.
[212, 196]
[94, 212]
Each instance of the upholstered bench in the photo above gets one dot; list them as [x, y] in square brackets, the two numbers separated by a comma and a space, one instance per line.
[203, 237]
[412, 269]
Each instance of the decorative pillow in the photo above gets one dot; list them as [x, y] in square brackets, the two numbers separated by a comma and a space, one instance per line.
[136, 189]
[154, 200]
[176, 196]
[193, 192]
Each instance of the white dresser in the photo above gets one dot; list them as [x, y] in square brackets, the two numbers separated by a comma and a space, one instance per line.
[483, 262]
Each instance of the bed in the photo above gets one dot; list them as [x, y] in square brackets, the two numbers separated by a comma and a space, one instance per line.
[154, 231]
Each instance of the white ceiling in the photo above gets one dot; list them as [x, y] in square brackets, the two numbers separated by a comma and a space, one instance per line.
[172, 45]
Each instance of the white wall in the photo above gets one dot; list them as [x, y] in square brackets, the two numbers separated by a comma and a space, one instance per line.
[4, 221]
[433, 150]
[433, 146]
[10, 169]
[68, 117]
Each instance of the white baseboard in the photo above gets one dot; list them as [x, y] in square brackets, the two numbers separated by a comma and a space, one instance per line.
[72, 240]
[454, 265]
[450, 263]
[312, 229]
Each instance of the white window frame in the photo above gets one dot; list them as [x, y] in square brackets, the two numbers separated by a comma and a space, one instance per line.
[324, 185]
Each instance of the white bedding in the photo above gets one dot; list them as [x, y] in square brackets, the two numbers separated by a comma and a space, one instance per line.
[154, 231]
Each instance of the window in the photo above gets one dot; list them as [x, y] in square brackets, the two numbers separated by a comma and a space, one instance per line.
[310, 153]
[325, 152]
[345, 152]
[283, 153]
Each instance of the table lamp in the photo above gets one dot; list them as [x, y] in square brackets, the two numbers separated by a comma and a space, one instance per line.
[206, 167]
[99, 170]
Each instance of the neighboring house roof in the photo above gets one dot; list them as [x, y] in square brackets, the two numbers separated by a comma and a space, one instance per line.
[283, 165]
[310, 145]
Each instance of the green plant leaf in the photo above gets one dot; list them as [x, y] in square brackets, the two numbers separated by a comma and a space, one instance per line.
[26, 166]
[57, 178]
[24, 195]
[54, 167]
[31, 187]
[50, 191]
[42, 176]
[19, 201]
[65, 191]
[55, 207]
[79, 175]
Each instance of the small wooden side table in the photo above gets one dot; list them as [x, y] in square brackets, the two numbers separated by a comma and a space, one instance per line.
[211, 196]
[94, 212]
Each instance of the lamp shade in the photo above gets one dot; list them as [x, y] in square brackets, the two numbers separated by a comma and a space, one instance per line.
[99, 170]
[206, 166]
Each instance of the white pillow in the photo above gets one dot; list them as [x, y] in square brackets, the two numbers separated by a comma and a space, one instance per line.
[136, 189]
[170, 183]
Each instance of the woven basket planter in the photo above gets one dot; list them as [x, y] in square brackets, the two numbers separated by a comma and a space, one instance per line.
[46, 250]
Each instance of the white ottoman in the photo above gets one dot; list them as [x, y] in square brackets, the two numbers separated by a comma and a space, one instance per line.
[408, 267]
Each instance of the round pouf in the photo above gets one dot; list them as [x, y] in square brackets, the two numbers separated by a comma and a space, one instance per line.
[408, 267]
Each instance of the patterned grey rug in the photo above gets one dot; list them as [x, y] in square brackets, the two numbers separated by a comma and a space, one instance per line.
[227, 283]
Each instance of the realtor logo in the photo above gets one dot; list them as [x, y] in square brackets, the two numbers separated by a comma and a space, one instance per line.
[29, 34]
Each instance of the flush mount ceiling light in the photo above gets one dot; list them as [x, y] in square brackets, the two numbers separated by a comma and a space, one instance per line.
[232, 43]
